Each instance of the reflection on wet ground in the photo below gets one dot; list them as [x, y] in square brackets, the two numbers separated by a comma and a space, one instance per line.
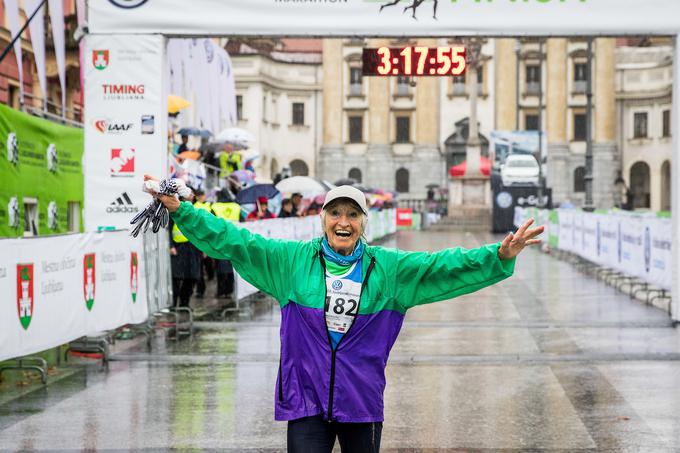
[549, 360]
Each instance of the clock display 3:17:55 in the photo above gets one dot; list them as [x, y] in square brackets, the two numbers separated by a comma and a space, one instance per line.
[414, 61]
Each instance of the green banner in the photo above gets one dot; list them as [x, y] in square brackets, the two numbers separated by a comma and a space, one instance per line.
[40, 169]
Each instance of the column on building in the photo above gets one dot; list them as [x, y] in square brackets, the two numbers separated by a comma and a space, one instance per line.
[559, 178]
[427, 166]
[605, 155]
[379, 168]
[331, 152]
[506, 84]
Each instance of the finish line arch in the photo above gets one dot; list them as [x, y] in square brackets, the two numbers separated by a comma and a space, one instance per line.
[130, 83]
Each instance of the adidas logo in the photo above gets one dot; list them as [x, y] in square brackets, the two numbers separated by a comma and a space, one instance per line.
[122, 204]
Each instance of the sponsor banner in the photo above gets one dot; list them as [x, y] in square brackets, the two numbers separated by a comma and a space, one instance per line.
[124, 117]
[384, 17]
[380, 223]
[35, 150]
[65, 287]
[634, 244]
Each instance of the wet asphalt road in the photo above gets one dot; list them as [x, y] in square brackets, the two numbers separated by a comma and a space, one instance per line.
[549, 360]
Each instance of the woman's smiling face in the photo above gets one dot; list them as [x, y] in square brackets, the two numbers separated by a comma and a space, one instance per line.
[342, 224]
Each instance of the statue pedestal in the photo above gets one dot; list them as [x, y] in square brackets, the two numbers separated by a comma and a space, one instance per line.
[469, 191]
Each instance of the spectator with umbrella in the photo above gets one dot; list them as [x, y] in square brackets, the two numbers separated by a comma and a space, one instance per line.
[261, 211]
[183, 146]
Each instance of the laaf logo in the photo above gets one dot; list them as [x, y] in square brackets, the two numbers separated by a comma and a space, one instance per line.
[106, 126]
[100, 59]
[128, 4]
[133, 276]
[122, 204]
[123, 92]
[25, 294]
[123, 162]
[89, 282]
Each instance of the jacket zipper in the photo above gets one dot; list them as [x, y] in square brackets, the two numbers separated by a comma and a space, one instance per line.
[330, 343]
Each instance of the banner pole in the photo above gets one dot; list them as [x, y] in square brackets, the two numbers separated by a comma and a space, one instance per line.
[675, 184]
[14, 40]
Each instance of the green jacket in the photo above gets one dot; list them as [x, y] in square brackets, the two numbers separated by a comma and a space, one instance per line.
[344, 384]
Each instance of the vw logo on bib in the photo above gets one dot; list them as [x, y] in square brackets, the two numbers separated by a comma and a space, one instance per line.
[337, 285]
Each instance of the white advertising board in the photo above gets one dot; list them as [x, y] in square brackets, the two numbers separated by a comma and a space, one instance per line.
[125, 126]
[60, 288]
[383, 17]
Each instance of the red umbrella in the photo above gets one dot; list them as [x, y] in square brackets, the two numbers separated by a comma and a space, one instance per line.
[459, 170]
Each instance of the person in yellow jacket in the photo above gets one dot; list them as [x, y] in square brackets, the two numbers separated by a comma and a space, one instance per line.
[225, 208]
[207, 263]
[185, 265]
[230, 161]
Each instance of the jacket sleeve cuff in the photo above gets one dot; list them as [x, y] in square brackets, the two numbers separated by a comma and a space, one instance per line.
[184, 208]
[508, 266]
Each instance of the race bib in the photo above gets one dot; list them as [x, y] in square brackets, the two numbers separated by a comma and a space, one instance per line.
[342, 303]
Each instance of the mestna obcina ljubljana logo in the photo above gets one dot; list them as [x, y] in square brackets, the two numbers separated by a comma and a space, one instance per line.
[89, 281]
[25, 294]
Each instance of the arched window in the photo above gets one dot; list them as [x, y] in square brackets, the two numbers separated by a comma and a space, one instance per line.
[355, 174]
[402, 180]
[580, 179]
[299, 168]
[666, 186]
[639, 184]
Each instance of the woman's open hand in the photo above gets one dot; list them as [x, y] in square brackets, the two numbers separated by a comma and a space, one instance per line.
[513, 244]
[171, 203]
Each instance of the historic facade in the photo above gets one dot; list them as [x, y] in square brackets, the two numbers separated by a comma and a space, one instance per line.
[35, 101]
[644, 80]
[278, 98]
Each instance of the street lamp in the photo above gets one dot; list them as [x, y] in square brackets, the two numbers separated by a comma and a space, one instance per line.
[518, 49]
[541, 183]
[588, 205]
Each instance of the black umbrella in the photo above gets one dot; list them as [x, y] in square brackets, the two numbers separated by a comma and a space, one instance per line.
[195, 131]
[251, 194]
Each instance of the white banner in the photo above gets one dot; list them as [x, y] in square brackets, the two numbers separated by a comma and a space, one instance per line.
[638, 245]
[60, 288]
[386, 17]
[125, 126]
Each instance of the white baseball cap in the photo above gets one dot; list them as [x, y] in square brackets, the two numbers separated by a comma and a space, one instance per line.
[350, 192]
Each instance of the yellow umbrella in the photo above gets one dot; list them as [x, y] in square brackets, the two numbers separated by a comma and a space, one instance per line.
[176, 103]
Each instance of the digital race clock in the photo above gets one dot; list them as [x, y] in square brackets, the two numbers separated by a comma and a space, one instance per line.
[414, 61]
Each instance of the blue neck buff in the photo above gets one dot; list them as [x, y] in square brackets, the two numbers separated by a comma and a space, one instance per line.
[337, 258]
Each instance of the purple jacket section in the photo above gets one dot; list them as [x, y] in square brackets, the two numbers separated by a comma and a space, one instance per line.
[302, 388]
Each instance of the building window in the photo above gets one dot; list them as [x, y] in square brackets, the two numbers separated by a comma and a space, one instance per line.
[403, 86]
[531, 122]
[580, 127]
[298, 113]
[355, 174]
[265, 117]
[403, 129]
[580, 180]
[666, 132]
[73, 216]
[275, 110]
[533, 78]
[13, 96]
[402, 180]
[580, 77]
[355, 82]
[299, 167]
[239, 107]
[640, 125]
[30, 217]
[459, 85]
[356, 129]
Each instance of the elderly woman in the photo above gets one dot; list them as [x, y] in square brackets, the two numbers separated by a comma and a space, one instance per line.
[342, 306]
